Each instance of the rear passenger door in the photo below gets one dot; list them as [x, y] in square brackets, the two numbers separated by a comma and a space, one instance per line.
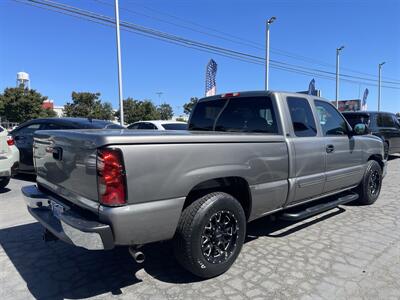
[309, 148]
[344, 152]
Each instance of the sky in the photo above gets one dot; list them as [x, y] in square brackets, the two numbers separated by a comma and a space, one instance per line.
[64, 54]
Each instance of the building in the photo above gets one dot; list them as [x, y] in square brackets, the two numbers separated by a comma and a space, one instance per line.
[348, 105]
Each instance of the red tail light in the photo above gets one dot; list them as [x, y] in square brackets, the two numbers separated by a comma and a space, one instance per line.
[10, 140]
[111, 179]
[228, 95]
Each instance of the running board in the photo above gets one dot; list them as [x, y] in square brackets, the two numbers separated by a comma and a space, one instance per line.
[298, 214]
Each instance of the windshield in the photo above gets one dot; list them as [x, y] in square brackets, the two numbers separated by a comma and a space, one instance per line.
[175, 126]
[354, 119]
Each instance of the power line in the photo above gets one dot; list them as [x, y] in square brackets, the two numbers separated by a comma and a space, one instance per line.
[148, 32]
[240, 40]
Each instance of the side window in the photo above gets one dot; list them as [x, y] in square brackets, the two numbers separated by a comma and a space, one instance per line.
[384, 120]
[30, 129]
[248, 115]
[332, 122]
[54, 126]
[302, 117]
[134, 126]
[147, 126]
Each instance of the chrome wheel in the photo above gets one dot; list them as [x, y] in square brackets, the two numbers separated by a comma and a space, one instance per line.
[219, 237]
[374, 183]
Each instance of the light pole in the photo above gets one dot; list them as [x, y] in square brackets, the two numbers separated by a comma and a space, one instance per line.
[121, 103]
[269, 22]
[337, 75]
[379, 85]
[159, 97]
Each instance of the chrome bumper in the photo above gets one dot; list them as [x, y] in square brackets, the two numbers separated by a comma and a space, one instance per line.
[67, 225]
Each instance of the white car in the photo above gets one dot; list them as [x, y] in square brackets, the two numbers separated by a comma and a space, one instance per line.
[9, 157]
[159, 125]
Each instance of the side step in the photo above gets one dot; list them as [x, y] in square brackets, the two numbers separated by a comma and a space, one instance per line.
[299, 213]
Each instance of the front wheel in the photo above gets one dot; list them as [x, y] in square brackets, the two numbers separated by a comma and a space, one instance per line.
[210, 234]
[4, 181]
[370, 186]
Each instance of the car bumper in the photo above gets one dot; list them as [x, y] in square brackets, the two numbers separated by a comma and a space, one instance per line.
[9, 162]
[69, 225]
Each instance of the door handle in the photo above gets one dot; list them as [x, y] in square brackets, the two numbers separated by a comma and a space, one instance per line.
[330, 148]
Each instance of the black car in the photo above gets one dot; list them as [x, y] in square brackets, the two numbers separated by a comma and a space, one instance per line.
[382, 124]
[23, 134]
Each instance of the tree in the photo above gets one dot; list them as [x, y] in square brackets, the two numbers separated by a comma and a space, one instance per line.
[187, 107]
[88, 105]
[22, 104]
[139, 110]
[165, 111]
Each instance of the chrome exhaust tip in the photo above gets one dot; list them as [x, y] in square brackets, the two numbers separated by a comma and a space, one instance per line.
[137, 255]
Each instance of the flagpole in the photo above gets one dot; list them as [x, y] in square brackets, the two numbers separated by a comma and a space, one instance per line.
[337, 75]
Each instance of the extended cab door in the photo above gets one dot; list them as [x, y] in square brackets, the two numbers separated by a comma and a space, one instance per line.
[309, 151]
[344, 153]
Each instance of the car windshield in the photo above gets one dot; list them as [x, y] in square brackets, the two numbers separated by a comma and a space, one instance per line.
[175, 126]
[354, 119]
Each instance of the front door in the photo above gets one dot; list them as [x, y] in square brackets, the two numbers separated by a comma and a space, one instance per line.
[344, 155]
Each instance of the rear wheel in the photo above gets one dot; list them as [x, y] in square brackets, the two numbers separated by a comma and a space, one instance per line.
[210, 234]
[370, 186]
[4, 181]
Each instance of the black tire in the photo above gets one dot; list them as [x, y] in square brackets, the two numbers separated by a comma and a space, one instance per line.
[370, 186]
[199, 234]
[4, 181]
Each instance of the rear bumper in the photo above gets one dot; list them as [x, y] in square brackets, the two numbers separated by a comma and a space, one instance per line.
[9, 162]
[69, 226]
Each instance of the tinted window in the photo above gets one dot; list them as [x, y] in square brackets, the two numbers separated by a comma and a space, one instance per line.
[134, 126]
[53, 126]
[302, 117]
[175, 126]
[30, 129]
[355, 119]
[205, 114]
[332, 122]
[247, 115]
[147, 126]
[384, 120]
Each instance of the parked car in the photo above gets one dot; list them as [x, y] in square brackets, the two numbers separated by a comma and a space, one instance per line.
[382, 124]
[246, 155]
[9, 157]
[159, 125]
[23, 134]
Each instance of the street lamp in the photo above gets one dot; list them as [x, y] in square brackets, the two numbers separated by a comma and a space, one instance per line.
[379, 84]
[337, 75]
[121, 103]
[269, 22]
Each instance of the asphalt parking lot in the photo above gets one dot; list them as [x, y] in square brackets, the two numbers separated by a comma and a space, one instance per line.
[350, 252]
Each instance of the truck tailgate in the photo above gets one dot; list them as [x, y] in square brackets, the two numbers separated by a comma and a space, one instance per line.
[66, 166]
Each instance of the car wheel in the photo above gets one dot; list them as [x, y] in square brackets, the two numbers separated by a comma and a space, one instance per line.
[370, 186]
[210, 234]
[4, 181]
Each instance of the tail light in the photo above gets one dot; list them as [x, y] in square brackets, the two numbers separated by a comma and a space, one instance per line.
[111, 179]
[10, 140]
[228, 95]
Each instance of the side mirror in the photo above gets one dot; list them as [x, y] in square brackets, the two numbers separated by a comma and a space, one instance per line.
[360, 129]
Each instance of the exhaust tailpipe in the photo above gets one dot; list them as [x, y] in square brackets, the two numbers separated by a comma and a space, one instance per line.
[137, 255]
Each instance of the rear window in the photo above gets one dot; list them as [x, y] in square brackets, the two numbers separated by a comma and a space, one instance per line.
[247, 114]
[355, 119]
[175, 126]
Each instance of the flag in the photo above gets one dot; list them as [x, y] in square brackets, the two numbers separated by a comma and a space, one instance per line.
[364, 105]
[211, 72]
[311, 88]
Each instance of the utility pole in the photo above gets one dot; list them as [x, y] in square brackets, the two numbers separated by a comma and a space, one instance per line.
[337, 75]
[379, 85]
[121, 103]
[269, 22]
[159, 97]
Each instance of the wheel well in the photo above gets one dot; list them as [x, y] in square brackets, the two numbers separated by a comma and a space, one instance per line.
[234, 186]
[378, 159]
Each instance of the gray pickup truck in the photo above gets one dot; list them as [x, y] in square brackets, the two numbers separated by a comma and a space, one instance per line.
[245, 155]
